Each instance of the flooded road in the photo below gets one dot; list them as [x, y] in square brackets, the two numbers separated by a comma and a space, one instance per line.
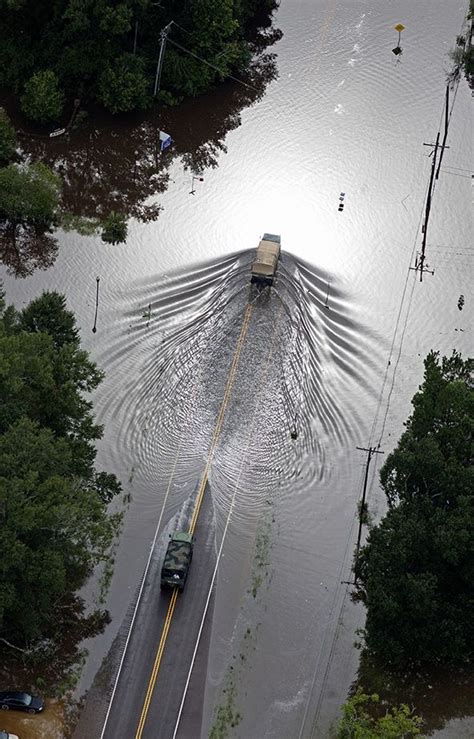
[343, 115]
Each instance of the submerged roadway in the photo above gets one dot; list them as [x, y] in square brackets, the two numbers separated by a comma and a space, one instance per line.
[158, 691]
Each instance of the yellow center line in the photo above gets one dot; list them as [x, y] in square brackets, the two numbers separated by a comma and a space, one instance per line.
[220, 417]
[197, 508]
[156, 666]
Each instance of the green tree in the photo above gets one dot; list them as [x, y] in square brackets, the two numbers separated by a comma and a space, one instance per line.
[43, 101]
[123, 85]
[87, 44]
[54, 524]
[416, 573]
[358, 723]
[54, 529]
[114, 228]
[7, 138]
[48, 314]
[29, 204]
[29, 195]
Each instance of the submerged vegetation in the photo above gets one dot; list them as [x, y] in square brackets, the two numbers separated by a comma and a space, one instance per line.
[53, 503]
[30, 197]
[31, 207]
[463, 54]
[359, 722]
[63, 56]
[415, 575]
[106, 52]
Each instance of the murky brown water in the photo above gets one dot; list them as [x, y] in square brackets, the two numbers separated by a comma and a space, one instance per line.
[343, 115]
[50, 724]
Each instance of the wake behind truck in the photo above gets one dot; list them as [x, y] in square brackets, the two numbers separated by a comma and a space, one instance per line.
[177, 560]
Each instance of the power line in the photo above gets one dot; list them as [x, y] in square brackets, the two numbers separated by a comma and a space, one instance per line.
[221, 71]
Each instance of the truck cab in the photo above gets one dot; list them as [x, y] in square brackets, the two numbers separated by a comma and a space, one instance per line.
[177, 561]
[266, 260]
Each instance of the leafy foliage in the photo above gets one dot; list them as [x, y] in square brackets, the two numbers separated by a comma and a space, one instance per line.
[29, 202]
[43, 101]
[358, 723]
[54, 525]
[107, 51]
[123, 85]
[29, 194]
[114, 228]
[416, 573]
[48, 315]
[7, 137]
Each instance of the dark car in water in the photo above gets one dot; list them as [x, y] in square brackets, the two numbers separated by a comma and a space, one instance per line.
[19, 701]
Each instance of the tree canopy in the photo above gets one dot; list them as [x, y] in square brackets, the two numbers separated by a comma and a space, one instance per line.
[416, 573]
[107, 51]
[42, 101]
[29, 195]
[54, 524]
[29, 208]
[114, 228]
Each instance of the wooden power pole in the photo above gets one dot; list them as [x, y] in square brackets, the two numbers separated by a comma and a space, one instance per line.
[370, 451]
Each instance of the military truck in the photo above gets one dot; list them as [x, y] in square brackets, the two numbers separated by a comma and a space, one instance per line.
[265, 263]
[177, 560]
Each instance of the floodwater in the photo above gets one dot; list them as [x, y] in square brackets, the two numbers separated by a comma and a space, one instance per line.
[50, 724]
[335, 350]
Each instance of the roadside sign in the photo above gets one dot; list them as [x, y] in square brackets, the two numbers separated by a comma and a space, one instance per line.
[165, 140]
[399, 27]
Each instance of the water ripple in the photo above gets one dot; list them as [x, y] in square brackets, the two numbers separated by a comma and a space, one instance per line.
[307, 369]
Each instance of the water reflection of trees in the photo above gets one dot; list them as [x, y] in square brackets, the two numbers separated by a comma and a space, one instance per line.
[438, 693]
[58, 661]
[25, 248]
[117, 166]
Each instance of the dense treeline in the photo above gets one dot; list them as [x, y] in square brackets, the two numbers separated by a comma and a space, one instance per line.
[415, 575]
[54, 526]
[106, 51]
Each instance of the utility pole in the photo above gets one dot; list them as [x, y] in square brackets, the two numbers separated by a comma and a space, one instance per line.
[159, 66]
[446, 126]
[420, 263]
[370, 451]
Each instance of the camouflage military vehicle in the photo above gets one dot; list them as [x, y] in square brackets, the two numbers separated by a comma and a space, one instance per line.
[177, 560]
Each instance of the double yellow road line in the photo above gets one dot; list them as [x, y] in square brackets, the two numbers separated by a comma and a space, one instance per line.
[197, 508]
[156, 665]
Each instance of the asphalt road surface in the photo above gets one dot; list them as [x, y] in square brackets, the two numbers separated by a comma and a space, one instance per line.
[165, 695]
